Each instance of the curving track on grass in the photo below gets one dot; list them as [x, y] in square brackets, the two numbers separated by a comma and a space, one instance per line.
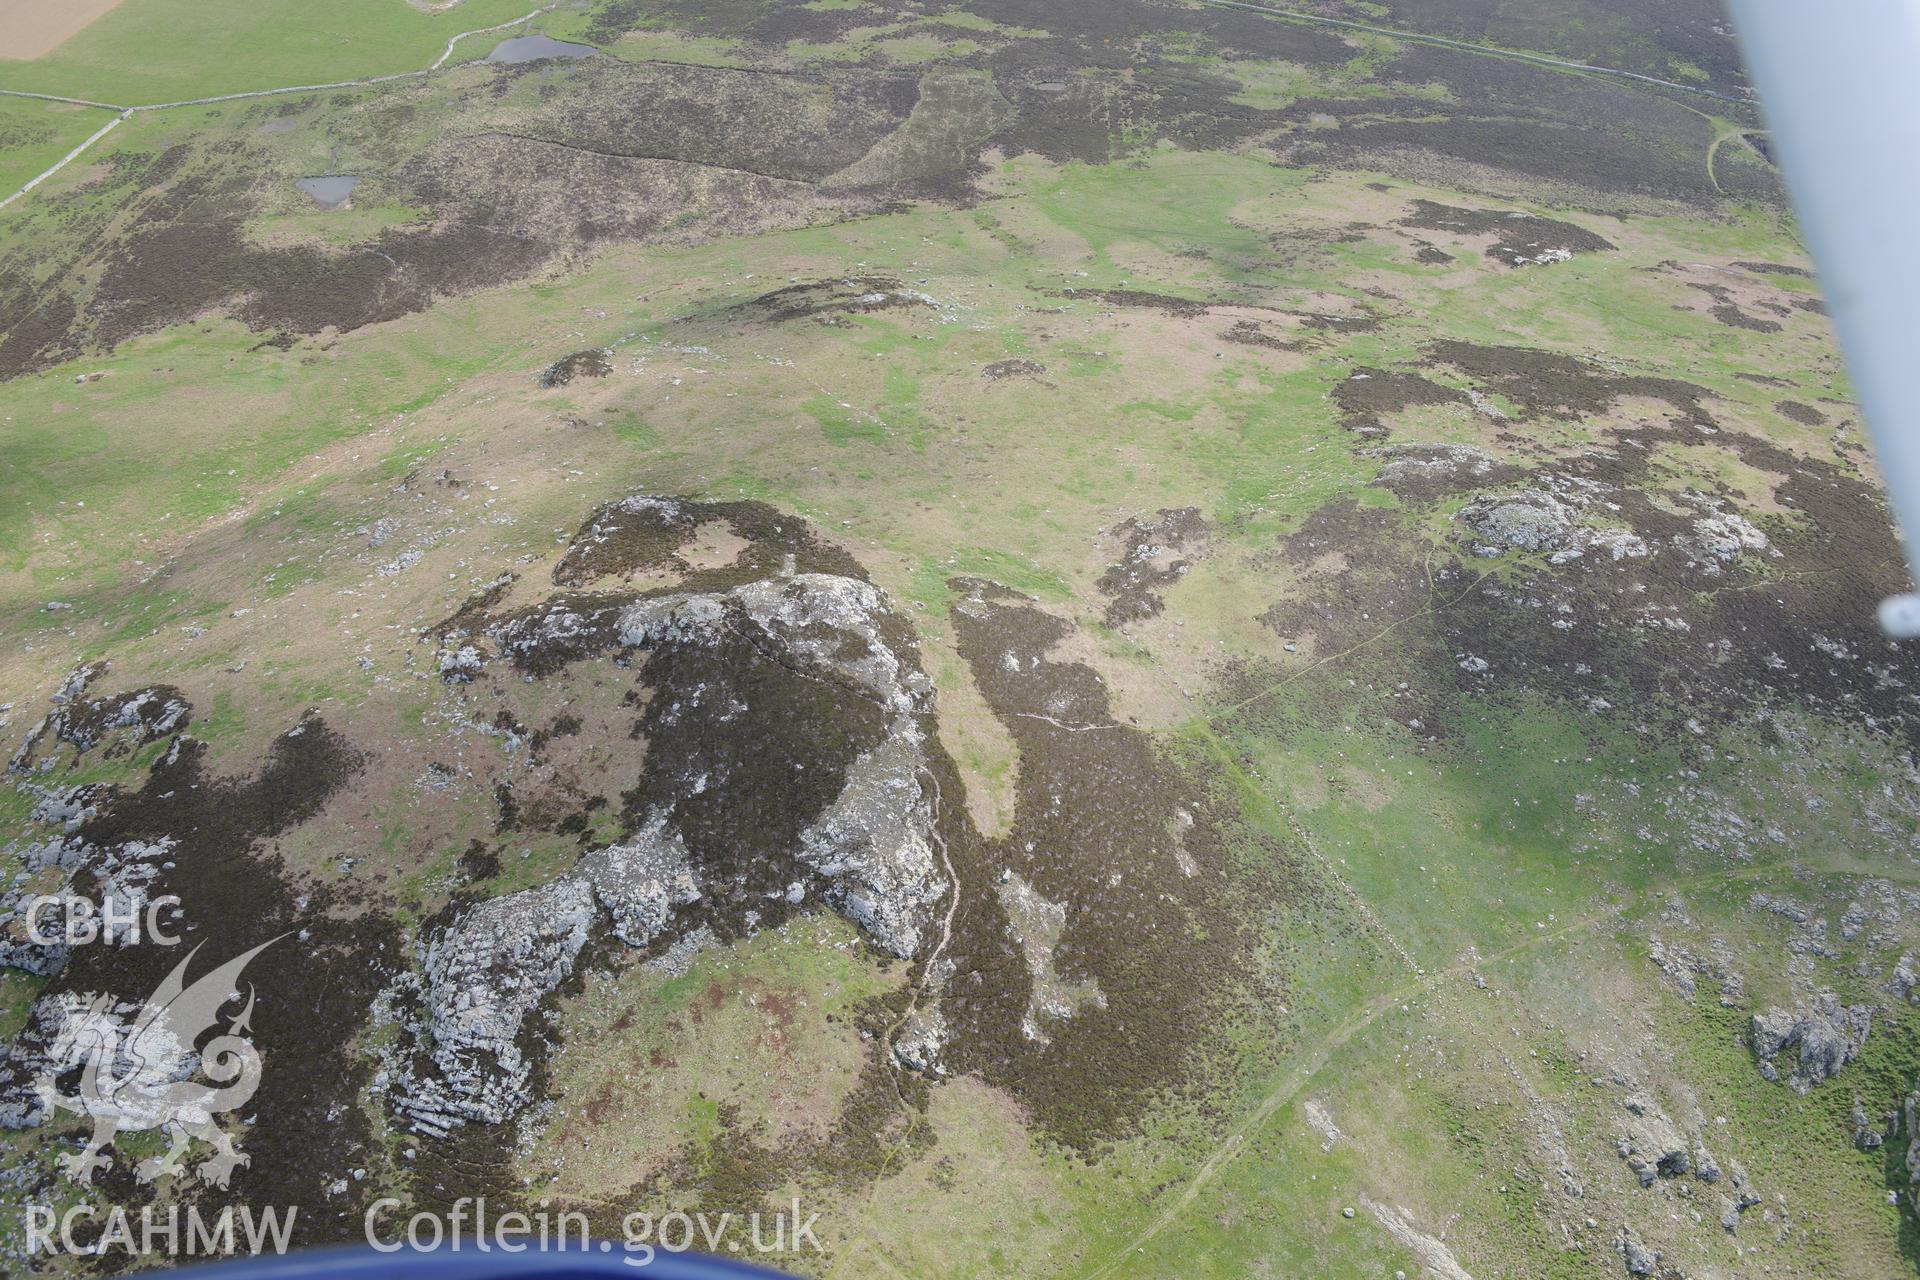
[126, 112]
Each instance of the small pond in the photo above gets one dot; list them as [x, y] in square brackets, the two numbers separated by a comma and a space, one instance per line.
[534, 48]
[329, 192]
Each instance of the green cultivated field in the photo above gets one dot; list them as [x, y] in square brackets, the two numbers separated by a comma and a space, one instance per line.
[147, 51]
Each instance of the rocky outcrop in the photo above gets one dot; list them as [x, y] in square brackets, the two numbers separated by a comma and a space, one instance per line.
[1826, 1034]
[1549, 523]
[1427, 471]
[1910, 1117]
[119, 878]
[1037, 925]
[867, 852]
[1719, 537]
[1655, 1147]
[1639, 1259]
[130, 719]
[641, 880]
[921, 1038]
[871, 843]
[1682, 966]
[1865, 1135]
[1526, 521]
[1436, 1259]
[483, 975]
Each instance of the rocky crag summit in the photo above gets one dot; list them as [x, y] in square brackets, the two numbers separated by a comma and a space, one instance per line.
[786, 679]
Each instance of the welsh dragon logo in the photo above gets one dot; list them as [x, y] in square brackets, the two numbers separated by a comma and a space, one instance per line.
[137, 1073]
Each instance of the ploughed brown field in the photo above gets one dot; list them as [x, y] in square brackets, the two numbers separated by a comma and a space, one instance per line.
[30, 28]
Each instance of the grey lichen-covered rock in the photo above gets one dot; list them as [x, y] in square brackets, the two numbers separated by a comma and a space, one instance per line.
[1865, 1136]
[119, 880]
[1412, 466]
[1705, 1167]
[459, 662]
[872, 843]
[1904, 981]
[1827, 1035]
[483, 975]
[918, 1046]
[1565, 518]
[834, 623]
[870, 847]
[1436, 1259]
[1652, 1144]
[1640, 1260]
[1910, 1113]
[32, 1056]
[824, 623]
[641, 880]
[1720, 536]
[1037, 925]
[1527, 521]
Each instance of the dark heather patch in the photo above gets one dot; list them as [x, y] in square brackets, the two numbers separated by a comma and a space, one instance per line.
[1430, 472]
[1002, 369]
[42, 333]
[191, 252]
[1132, 914]
[1548, 384]
[1539, 151]
[634, 535]
[1635, 35]
[1816, 306]
[313, 993]
[1658, 640]
[626, 537]
[1096, 24]
[1376, 579]
[818, 299]
[1762, 379]
[1804, 414]
[1433, 257]
[1248, 334]
[1606, 142]
[616, 152]
[1182, 308]
[1365, 323]
[595, 362]
[788, 128]
[1728, 312]
[1366, 393]
[1523, 239]
[474, 609]
[1775, 269]
[741, 788]
[1146, 563]
[479, 862]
